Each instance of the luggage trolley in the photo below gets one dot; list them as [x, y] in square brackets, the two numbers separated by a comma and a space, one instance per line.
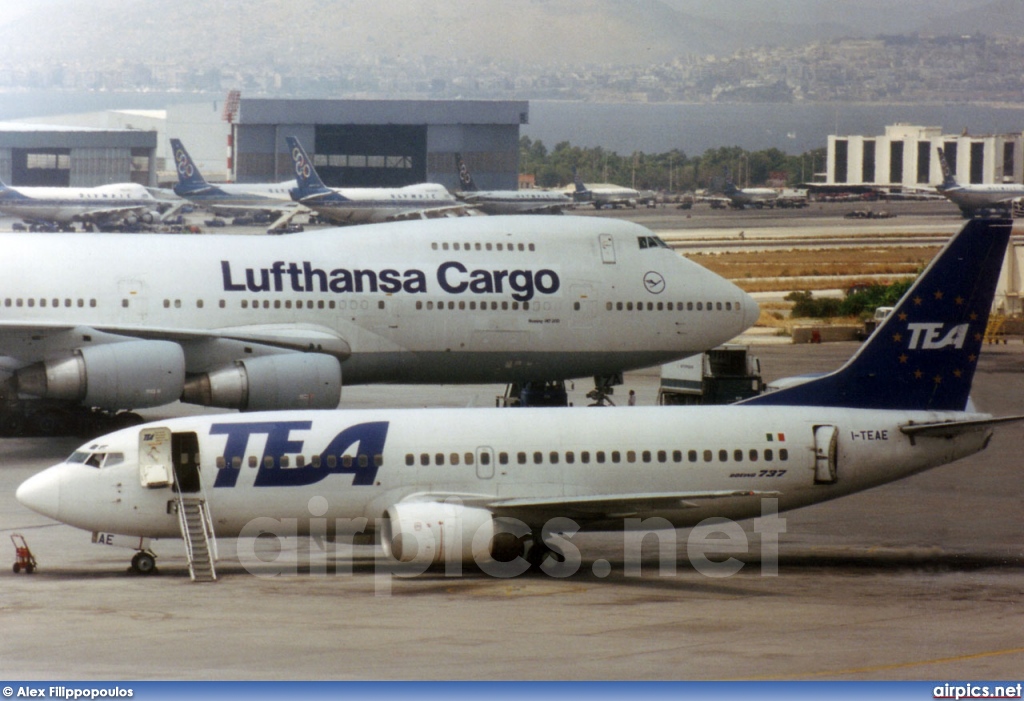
[25, 560]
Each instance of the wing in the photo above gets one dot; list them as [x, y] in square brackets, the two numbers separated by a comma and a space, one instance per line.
[596, 507]
[29, 343]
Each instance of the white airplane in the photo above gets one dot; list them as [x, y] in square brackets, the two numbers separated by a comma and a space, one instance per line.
[272, 322]
[229, 198]
[441, 485]
[972, 198]
[508, 201]
[604, 195]
[757, 197]
[366, 205]
[101, 206]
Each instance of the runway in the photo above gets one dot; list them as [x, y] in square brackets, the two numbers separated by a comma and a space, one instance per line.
[920, 579]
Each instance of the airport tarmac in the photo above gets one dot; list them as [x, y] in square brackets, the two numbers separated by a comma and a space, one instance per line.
[920, 579]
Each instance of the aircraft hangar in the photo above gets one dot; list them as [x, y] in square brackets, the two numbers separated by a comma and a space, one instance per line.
[61, 156]
[379, 143]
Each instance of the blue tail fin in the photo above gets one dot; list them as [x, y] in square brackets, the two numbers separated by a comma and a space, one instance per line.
[582, 194]
[923, 356]
[948, 181]
[465, 179]
[728, 186]
[8, 193]
[190, 180]
[309, 183]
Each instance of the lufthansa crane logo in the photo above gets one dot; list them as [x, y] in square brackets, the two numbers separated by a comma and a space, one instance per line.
[654, 283]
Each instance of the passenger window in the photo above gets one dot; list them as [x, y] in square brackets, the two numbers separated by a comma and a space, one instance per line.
[630, 456]
[585, 456]
[253, 462]
[285, 462]
[538, 457]
[600, 456]
[316, 461]
[503, 458]
[424, 459]
[768, 455]
[646, 456]
[570, 457]
[521, 458]
[783, 454]
[616, 457]
[692, 456]
[439, 459]
[708, 456]
[737, 455]
[410, 460]
[753, 455]
[469, 458]
[332, 461]
[455, 456]
[268, 462]
[485, 458]
[236, 463]
[723, 456]
[553, 457]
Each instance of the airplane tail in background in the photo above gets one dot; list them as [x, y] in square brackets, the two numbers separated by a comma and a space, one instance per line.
[728, 186]
[309, 183]
[190, 180]
[465, 179]
[582, 194]
[948, 181]
[923, 356]
[9, 193]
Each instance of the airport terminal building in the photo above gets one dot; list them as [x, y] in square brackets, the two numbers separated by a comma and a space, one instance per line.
[906, 156]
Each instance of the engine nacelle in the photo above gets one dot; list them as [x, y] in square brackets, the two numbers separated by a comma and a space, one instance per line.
[291, 381]
[127, 375]
[431, 533]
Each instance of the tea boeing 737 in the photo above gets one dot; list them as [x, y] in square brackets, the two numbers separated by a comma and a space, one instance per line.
[442, 485]
[262, 322]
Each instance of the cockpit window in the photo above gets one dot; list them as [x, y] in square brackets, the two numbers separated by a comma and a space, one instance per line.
[96, 459]
[650, 242]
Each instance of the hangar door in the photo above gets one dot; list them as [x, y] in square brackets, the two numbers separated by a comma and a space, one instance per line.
[362, 155]
[41, 167]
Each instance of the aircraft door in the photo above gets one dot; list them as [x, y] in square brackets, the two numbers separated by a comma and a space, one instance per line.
[826, 449]
[607, 244]
[156, 468]
[185, 457]
[485, 463]
[133, 300]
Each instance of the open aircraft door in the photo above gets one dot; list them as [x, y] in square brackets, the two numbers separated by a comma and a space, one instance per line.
[826, 449]
[156, 464]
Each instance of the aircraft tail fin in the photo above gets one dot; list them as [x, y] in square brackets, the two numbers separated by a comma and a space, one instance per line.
[923, 356]
[948, 180]
[465, 179]
[582, 194]
[728, 186]
[9, 193]
[309, 183]
[189, 178]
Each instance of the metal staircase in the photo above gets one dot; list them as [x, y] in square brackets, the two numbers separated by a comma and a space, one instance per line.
[197, 531]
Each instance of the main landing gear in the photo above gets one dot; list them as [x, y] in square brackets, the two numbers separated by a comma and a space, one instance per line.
[604, 388]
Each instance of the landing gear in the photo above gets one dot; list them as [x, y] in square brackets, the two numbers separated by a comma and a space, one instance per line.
[604, 388]
[540, 551]
[143, 563]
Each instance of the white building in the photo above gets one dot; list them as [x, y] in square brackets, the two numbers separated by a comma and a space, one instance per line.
[906, 156]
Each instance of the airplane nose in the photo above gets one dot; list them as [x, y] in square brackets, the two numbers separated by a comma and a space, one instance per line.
[41, 493]
[751, 311]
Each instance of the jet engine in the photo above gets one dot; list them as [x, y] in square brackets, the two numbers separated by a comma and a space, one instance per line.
[431, 533]
[126, 375]
[290, 381]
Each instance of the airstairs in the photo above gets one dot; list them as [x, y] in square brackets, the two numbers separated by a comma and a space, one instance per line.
[197, 531]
